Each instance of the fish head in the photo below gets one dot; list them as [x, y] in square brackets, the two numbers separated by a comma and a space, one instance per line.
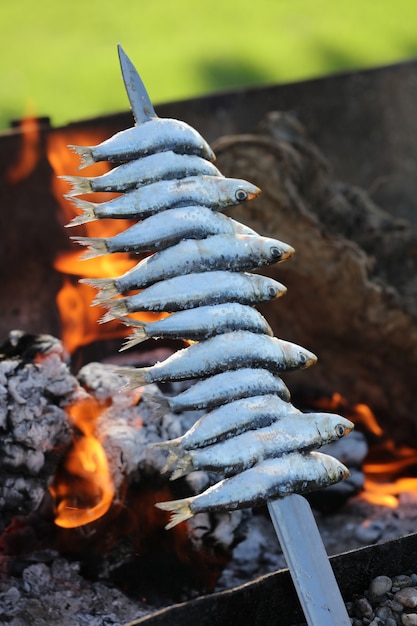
[335, 470]
[268, 288]
[237, 190]
[276, 251]
[297, 357]
[332, 426]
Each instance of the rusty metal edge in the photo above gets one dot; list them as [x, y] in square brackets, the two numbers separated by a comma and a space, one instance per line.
[271, 599]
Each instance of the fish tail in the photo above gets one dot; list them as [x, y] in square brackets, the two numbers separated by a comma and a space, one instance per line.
[180, 509]
[79, 184]
[136, 376]
[135, 338]
[88, 211]
[171, 445]
[86, 154]
[171, 460]
[117, 309]
[97, 245]
[106, 287]
[184, 466]
[160, 407]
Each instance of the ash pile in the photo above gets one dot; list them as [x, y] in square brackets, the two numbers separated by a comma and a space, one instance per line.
[127, 548]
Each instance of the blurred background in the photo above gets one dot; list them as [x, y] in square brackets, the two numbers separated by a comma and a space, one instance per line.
[59, 59]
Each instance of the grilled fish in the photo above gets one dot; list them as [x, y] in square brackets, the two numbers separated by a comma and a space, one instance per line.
[210, 321]
[223, 352]
[165, 229]
[235, 253]
[290, 433]
[193, 290]
[224, 388]
[231, 419]
[292, 473]
[155, 135]
[214, 192]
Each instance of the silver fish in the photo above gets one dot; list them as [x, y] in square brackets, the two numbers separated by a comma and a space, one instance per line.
[273, 478]
[155, 135]
[163, 230]
[228, 351]
[226, 387]
[290, 433]
[229, 420]
[214, 192]
[235, 253]
[210, 321]
[193, 290]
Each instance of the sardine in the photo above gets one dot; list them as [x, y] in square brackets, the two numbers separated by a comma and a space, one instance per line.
[226, 387]
[150, 169]
[210, 321]
[292, 473]
[163, 230]
[156, 135]
[214, 192]
[229, 420]
[193, 290]
[223, 352]
[290, 433]
[235, 253]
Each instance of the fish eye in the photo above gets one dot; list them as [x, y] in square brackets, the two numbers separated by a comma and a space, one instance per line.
[341, 473]
[272, 292]
[241, 195]
[302, 358]
[340, 430]
[275, 252]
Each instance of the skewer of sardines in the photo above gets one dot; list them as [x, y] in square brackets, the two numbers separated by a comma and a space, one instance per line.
[198, 272]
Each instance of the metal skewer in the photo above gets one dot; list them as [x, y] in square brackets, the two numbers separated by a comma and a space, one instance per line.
[292, 517]
[140, 102]
[308, 563]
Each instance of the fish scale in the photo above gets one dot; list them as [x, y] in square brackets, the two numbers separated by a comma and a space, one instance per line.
[262, 462]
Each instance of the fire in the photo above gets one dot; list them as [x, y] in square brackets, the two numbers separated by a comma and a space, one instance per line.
[29, 154]
[80, 322]
[83, 489]
[386, 461]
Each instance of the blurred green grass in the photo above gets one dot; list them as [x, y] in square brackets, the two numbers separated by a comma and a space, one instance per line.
[59, 59]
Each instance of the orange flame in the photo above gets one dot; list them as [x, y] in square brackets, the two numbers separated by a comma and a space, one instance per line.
[88, 491]
[79, 321]
[386, 461]
[29, 154]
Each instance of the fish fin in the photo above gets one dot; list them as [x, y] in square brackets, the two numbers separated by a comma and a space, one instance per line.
[184, 466]
[79, 184]
[97, 245]
[86, 154]
[106, 286]
[136, 376]
[138, 336]
[117, 308]
[180, 510]
[88, 211]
